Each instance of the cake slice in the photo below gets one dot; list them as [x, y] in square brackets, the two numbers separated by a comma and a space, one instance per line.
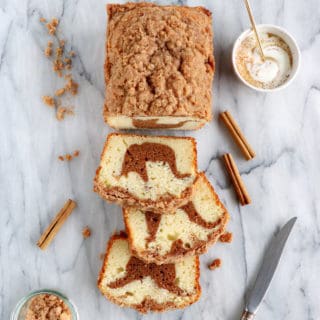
[130, 282]
[159, 67]
[150, 172]
[164, 238]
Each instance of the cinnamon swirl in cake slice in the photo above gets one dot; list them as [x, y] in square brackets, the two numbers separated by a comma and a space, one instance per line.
[149, 172]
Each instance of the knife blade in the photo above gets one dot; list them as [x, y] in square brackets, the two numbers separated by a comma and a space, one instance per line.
[269, 265]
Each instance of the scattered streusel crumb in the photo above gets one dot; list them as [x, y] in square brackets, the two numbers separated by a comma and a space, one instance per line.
[86, 232]
[62, 61]
[60, 92]
[58, 65]
[216, 263]
[59, 52]
[47, 307]
[48, 100]
[62, 112]
[68, 157]
[226, 237]
[102, 255]
[72, 86]
[48, 52]
[68, 63]
[52, 26]
[76, 153]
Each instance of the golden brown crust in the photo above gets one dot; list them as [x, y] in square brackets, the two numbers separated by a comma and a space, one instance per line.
[123, 197]
[148, 304]
[198, 248]
[172, 102]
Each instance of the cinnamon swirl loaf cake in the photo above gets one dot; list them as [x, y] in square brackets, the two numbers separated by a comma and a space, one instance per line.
[165, 238]
[150, 172]
[130, 282]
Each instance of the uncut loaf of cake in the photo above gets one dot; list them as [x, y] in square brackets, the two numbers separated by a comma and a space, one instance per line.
[165, 238]
[130, 282]
[159, 66]
[149, 172]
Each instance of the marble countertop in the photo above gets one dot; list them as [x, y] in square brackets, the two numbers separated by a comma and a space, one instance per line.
[283, 180]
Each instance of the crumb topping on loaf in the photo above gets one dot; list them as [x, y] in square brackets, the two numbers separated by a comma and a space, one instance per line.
[159, 61]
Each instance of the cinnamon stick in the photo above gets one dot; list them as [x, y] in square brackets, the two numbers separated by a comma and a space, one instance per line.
[237, 182]
[237, 134]
[51, 231]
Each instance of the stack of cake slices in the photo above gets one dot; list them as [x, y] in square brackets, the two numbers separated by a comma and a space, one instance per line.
[171, 214]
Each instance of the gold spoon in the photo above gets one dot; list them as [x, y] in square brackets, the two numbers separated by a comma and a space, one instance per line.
[253, 24]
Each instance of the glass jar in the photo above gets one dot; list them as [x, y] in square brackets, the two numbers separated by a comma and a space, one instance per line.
[20, 309]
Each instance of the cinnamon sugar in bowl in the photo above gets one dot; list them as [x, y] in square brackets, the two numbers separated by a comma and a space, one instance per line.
[44, 305]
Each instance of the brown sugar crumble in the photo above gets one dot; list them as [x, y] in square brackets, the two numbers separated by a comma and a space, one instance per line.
[52, 26]
[71, 86]
[226, 237]
[216, 263]
[62, 112]
[61, 62]
[60, 92]
[86, 232]
[47, 307]
[76, 153]
[48, 51]
[49, 101]
[68, 156]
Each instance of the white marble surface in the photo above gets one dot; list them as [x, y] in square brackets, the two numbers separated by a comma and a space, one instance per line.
[283, 179]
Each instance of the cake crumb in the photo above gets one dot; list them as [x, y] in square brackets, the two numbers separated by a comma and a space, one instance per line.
[59, 52]
[49, 101]
[47, 306]
[216, 263]
[68, 157]
[48, 51]
[226, 237]
[43, 19]
[60, 92]
[58, 65]
[72, 53]
[102, 255]
[62, 112]
[68, 63]
[52, 26]
[61, 62]
[62, 43]
[76, 153]
[71, 86]
[86, 232]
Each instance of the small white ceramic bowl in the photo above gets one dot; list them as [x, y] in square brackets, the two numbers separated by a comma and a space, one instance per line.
[286, 37]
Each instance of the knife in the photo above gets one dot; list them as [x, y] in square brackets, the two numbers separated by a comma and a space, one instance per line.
[269, 265]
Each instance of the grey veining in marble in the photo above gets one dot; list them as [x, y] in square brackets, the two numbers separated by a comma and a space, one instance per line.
[283, 180]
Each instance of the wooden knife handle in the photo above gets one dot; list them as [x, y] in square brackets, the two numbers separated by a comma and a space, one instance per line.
[246, 315]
